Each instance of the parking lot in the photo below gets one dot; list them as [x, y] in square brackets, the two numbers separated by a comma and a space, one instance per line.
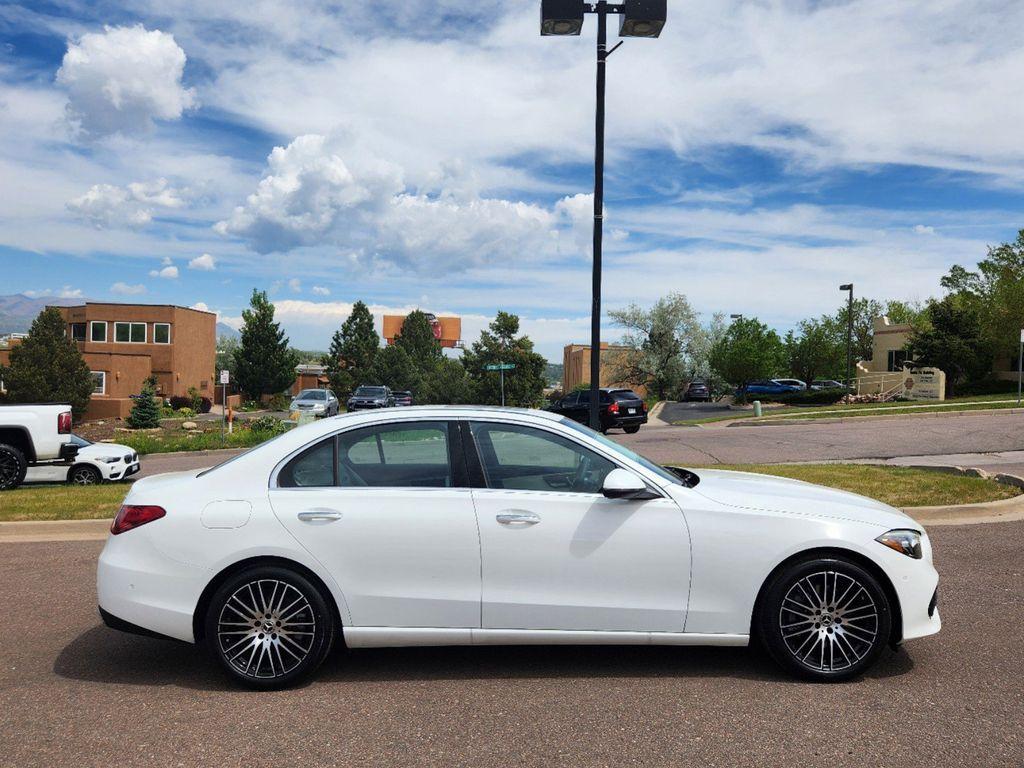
[73, 691]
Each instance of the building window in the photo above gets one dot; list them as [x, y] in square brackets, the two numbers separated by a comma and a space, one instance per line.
[897, 357]
[130, 333]
[99, 382]
[161, 333]
[98, 330]
[78, 331]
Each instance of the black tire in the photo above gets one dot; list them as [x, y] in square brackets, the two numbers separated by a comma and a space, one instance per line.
[83, 474]
[632, 429]
[272, 655]
[825, 619]
[13, 467]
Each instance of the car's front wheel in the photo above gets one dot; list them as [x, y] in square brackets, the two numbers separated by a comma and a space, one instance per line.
[83, 474]
[269, 627]
[825, 619]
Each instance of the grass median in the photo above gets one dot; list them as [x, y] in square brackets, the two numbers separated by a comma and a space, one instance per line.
[898, 486]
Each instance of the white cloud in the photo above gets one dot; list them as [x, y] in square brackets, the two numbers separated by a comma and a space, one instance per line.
[921, 229]
[167, 273]
[106, 205]
[123, 79]
[124, 289]
[295, 285]
[202, 306]
[205, 263]
[319, 290]
[321, 191]
[67, 292]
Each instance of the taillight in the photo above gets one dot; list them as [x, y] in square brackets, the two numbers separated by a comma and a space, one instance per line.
[643, 404]
[132, 516]
[64, 423]
[613, 408]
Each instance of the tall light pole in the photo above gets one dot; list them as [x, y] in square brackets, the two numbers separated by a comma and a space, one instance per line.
[849, 334]
[640, 18]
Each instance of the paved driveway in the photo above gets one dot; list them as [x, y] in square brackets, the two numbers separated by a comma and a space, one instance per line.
[73, 692]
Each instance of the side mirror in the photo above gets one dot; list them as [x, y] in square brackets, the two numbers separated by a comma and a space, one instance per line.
[623, 484]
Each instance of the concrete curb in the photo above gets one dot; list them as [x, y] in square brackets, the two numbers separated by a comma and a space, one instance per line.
[54, 530]
[1002, 511]
[779, 421]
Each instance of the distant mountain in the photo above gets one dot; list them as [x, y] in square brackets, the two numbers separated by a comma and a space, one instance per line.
[17, 311]
[223, 329]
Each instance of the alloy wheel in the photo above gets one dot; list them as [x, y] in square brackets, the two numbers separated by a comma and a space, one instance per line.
[829, 621]
[266, 629]
[84, 476]
[10, 469]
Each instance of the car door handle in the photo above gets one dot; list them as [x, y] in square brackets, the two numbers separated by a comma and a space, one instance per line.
[517, 518]
[320, 515]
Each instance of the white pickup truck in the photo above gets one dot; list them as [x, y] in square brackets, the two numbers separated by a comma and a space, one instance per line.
[31, 435]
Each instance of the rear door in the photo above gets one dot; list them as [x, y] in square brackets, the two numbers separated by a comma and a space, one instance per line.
[388, 511]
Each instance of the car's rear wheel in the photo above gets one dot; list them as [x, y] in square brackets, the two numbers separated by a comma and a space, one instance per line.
[269, 627]
[83, 474]
[826, 619]
[632, 429]
[12, 467]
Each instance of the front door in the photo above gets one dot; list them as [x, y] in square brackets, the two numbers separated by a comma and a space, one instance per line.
[385, 510]
[557, 554]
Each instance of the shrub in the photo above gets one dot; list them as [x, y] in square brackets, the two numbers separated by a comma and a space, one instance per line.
[268, 425]
[180, 401]
[806, 397]
[279, 402]
[145, 411]
[989, 387]
[187, 413]
[205, 404]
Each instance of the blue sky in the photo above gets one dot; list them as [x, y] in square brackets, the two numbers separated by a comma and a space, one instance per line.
[439, 155]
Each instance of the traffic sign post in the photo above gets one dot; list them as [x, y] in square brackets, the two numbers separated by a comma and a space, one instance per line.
[501, 368]
[225, 378]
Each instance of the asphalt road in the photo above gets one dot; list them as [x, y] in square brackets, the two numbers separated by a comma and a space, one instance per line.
[73, 692]
[856, 438]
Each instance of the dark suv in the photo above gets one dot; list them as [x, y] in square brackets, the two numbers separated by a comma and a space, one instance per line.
[619, 408]
[370, 397]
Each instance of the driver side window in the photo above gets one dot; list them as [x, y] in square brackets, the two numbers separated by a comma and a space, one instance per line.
[518, 458]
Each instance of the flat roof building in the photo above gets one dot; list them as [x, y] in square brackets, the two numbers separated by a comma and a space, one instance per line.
[124, 344]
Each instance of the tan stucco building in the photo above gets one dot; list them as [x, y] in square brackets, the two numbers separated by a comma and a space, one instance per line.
[124, 344]
[576, 366]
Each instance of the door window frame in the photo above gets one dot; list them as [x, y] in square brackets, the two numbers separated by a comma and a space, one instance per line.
[461, 478]
[478, 477]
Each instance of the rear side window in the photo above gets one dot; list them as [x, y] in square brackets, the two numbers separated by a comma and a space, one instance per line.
[313, 468]
[408, 455]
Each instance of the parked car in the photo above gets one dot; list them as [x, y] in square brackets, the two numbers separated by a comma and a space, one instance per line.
[319, 402]
[697, 390]
[484, 526]
[370, 397]
[403, 398]
[31, 435]
[792, 383]
[766, 387]
[619, 408]
[95, 463]
[826, 384]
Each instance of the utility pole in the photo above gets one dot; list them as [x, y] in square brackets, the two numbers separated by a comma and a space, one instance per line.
[849, 334]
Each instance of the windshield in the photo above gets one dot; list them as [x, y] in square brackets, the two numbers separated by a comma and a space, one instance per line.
[370, 392]
[312, 394]
[619, 448]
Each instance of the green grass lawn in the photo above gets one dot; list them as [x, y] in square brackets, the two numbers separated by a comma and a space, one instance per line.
[898, 486]
[62, 502]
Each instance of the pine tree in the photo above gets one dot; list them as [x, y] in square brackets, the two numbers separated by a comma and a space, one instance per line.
[353, 350]
[47, 367]
[394, 368]
[499, 343]
[145, 411]
[264, 363]
[417, 339]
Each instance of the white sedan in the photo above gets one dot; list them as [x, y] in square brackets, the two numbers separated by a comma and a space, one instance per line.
[478, 526]
[94, 463]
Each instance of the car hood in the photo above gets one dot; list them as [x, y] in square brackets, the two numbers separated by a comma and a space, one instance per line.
[746, 490]
[104, 449]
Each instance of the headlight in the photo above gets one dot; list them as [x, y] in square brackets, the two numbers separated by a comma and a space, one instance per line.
[379, 402]
[109, 459]
[906, 542]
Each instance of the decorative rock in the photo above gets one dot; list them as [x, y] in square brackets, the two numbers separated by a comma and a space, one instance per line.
[189, 425]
